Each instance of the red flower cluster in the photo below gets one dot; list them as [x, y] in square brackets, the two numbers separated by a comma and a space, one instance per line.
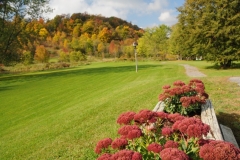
[171, 144]
[179, 83]
[173, 153]
[154, 147]
[105, 156]
[201, 142]
[163, 96]
[183, 98]
[126, 118]
[193, 127]
[127, 155]
[167, 131]
[175, 117]
[187, 101]
[119, 143]
[195, 81]
[103, 144]
[162, 115]
[166, 87]
[130, 131]
[219, 150]
[120, 155]
[145, 116]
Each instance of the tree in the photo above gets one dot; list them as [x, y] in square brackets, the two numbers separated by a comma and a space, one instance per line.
[113, 48]
[41, 54]
[105, 35]
[212, 28]
[154, 42]
[101, 48]
[76, 31]
[43, 33]
[14, 17]
[88, 27]
[177, 42]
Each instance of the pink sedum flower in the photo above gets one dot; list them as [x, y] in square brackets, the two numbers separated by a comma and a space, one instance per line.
[175, 117]
[166, 87]
[119, 143]
[154, 147]
[171, 144]
[145, 116]
[167, 131]
[126, 155]
[173, 154]
[103, 144]
[126, 118]
[105, 156]
[179, 83]
[219, 150]
[130, 131]
[193, 127]
[162, 115]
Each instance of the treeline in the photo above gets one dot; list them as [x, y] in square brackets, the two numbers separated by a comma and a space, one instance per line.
[71, 39]
[206, 29]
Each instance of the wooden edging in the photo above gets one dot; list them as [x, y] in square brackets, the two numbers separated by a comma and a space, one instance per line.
[208, 116]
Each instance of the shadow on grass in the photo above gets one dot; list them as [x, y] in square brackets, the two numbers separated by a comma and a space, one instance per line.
[4, 88]
[232, 121]
[218, 67]
[80, 71]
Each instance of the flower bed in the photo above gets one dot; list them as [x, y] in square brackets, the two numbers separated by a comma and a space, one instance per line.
[170, 134]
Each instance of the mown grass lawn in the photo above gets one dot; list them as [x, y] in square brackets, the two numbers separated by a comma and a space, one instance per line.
[62, 114]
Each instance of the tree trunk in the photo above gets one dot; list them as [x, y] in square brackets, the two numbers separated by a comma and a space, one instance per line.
[226, 64]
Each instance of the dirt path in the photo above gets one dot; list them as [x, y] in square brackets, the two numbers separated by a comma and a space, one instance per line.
[193, 71]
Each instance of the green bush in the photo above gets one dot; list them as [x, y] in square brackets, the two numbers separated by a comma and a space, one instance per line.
[76, 56]
[27, 58]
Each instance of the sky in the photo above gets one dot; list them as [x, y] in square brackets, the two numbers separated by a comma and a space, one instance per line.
[143, 13]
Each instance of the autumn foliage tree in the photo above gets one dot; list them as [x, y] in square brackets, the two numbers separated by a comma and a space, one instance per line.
[13, 14]
[41, 54]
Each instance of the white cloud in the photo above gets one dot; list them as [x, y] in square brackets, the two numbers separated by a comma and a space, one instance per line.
[137, 11]
[118, 8]
[157, 5]
[67, 7]
[167, 18]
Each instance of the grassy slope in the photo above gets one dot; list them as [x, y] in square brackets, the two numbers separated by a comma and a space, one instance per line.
[62, 114]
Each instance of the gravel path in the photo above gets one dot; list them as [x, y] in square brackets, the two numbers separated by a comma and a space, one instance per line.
[235, 80]
[193, 71]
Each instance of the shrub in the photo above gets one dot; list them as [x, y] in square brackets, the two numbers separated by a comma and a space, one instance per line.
[76, 56]
[27, 58]
[64, 57]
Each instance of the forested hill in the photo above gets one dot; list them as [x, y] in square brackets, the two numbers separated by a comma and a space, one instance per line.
[81, 18]
[75, 37]
[92, 24]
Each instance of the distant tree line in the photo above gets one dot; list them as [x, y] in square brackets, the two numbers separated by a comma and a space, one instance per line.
[208, 29]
